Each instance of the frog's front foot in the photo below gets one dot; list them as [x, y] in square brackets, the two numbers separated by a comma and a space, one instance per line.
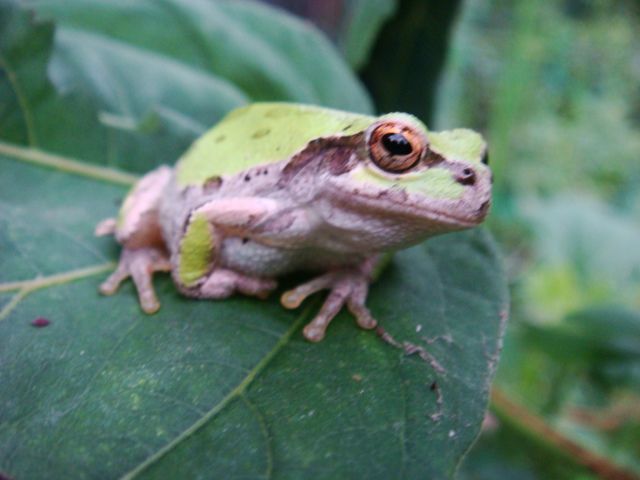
[139, 264]
[348, 287]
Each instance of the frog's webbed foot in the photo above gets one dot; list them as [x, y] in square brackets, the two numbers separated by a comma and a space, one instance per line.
[348, 287]
[139, 264]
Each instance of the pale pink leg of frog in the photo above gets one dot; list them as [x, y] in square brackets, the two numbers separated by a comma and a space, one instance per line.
[139, 264]
[222, 283]
[348, 287]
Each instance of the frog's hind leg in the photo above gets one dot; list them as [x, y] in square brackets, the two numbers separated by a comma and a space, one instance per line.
[139, 233]
[222, 283]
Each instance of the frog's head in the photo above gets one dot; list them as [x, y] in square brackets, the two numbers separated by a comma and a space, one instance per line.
[440, 180]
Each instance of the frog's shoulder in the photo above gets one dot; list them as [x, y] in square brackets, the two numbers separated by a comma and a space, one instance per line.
[259, 134]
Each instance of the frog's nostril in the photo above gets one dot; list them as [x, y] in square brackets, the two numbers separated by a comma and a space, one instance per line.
[466, 177]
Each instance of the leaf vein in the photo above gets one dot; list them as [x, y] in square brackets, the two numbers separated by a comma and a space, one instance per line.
[265, 433]
[55, 279]
[66, 164]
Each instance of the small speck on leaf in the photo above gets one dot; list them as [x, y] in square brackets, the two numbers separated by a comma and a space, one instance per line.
[39, 322]
[357, 377]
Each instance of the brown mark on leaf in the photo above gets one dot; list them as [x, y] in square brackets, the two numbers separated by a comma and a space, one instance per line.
[411, 349]
[434, 387]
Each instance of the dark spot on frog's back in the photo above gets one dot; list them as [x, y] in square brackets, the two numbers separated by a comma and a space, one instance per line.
[219, 138]
[276, 112]
[263, 132]
[212, 183]
[347, 127]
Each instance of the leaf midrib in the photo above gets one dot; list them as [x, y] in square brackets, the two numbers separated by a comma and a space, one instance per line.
[67, 164]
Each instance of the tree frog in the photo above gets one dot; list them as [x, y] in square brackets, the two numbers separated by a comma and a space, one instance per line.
[280, 187]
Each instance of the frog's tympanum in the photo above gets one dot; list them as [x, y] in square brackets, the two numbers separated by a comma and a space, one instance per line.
[276, 187]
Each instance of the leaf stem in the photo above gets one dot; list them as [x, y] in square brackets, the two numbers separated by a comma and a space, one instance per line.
[537, 428]
[66, 164]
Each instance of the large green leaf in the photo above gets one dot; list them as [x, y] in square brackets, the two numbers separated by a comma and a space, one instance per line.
[208, 389]
[352, 25]
[230, 386]
[140, 80]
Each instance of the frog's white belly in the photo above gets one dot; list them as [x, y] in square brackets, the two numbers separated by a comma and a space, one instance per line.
[247, 256]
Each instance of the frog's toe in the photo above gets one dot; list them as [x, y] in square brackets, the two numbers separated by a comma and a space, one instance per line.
[139, 264]
[348, 288]
[356, 304]
[106, 227]
[293, 298]
[111, 284]
[314, 331]
[363, 315]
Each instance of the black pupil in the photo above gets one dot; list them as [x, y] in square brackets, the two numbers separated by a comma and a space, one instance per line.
[396, 144]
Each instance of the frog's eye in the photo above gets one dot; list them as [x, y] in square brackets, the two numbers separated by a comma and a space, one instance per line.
[395, 147]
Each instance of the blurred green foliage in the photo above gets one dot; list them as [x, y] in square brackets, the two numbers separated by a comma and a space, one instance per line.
[556, 88]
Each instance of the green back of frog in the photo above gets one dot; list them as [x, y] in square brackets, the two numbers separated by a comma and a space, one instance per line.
[260, 134]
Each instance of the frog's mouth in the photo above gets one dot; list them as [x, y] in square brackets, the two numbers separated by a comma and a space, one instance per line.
[437, 214]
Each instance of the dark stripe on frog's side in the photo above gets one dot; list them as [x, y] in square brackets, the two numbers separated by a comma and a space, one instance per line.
[336, 155]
